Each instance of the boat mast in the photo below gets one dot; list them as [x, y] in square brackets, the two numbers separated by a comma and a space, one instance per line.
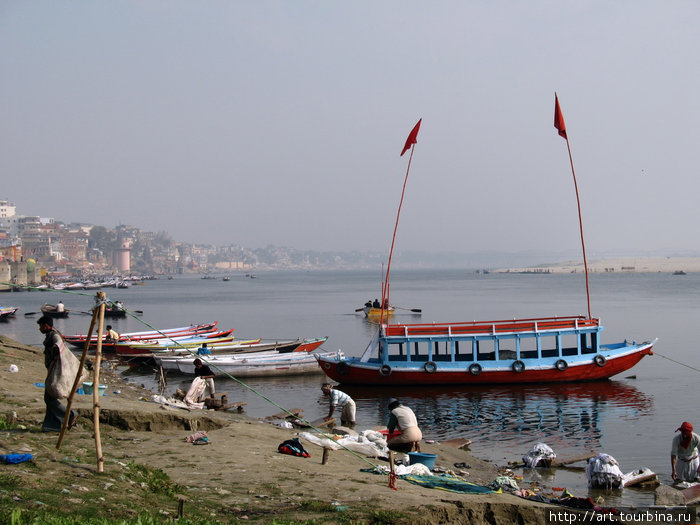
[410, 144]
[561, 127]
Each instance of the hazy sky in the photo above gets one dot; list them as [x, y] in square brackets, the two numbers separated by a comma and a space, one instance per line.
[268, 122]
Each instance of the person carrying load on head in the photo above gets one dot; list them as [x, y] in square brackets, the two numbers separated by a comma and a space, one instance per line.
[342, 401]
[685, 463]
[405, 420]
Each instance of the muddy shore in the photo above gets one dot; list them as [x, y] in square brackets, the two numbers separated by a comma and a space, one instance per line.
[239, 475]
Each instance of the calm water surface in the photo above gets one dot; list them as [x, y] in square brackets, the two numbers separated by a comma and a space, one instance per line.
[632, 417]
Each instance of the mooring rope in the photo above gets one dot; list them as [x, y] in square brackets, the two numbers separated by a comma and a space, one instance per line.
[677, 362]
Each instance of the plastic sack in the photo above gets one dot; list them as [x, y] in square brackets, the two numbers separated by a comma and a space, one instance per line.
[61, 376]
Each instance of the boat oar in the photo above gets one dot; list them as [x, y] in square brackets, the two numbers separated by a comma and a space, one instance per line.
[359, 309]
[31, 313]
[415, 310]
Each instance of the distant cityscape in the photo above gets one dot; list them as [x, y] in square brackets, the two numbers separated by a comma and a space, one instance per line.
[72, 248]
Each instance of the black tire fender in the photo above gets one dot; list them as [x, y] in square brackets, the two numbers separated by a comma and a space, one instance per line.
[600, 360]
[475, 369]
[430, 367]
[561, 365]
[518, 366]
[385, 370]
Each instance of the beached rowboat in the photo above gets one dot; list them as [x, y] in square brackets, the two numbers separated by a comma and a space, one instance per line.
[265, 365]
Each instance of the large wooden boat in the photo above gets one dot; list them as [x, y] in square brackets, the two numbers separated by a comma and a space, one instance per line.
[551, 349]
[536, 350]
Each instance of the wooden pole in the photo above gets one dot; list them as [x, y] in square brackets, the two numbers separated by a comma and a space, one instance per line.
[326, 452]
[101, 297]
[69, 402]
[385, 288]
[580, 225]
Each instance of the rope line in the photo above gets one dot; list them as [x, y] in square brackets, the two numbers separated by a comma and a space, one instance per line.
[677, 362]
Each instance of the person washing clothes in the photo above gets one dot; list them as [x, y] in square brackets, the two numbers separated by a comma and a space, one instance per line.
[405, 420]
[203, 371]
[685, 463]
[342, 401]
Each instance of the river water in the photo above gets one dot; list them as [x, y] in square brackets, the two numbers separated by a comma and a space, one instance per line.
[632, 417]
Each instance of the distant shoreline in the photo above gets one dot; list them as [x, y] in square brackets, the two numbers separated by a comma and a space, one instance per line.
[616, 265]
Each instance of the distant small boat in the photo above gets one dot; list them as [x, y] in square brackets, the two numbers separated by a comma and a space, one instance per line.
[53, 310]
[376, 313]
[227, 278]
[679, 272]
[7, 311]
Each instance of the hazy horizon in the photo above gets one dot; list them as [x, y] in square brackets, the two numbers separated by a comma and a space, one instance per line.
[276, 123]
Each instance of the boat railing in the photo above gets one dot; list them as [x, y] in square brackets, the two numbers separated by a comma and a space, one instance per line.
[491, 327]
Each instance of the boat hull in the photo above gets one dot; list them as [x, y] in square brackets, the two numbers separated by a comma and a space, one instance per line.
[270, 365]
[352, 371]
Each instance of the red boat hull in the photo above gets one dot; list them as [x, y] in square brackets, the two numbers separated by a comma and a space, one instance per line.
[351, 372]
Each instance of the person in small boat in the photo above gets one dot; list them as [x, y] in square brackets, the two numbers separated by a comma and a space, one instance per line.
[376, 304]
[204, 350]
[368, 304]
[53, 346]
[112, 335]
[341, 401]
[203, 371]
[685, 463]
[60, 307]
[403, 419]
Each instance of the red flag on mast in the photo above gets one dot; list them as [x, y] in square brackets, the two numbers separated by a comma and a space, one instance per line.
[559, 118]
[411, 140]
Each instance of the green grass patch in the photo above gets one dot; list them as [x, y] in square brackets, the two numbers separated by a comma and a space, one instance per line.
[157, 481]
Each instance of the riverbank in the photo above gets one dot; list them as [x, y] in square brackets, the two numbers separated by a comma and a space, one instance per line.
[617, 265]
[238, 476]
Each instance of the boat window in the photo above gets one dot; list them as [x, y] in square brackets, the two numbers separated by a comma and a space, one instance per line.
[590, 346]
[569, 344]
[528, 348]
[485, 350]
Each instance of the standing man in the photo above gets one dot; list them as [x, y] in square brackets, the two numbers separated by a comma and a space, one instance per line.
[203, 371]
[342, 401]
[684, 449]
[53, 346]
[405, 420]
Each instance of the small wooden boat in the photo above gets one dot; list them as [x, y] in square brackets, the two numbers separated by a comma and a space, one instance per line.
[115, 312]
[375, 314]
[7, 311]
[78, 340]
[168, 358]
[253, 365]
[148, 346]
[53, 310]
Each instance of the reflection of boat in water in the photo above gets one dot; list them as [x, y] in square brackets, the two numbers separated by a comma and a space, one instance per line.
[556, 412]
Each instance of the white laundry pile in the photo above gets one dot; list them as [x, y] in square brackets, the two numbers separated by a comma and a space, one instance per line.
[603, 471]
[369, 443]
[539, 452]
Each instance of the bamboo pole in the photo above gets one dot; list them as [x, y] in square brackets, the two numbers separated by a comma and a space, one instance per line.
[101, 297]
[69, 402]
